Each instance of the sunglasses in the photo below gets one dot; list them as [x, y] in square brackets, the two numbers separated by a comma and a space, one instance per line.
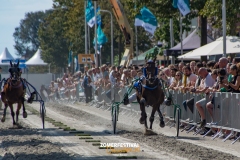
[161, 74]
[177, 75]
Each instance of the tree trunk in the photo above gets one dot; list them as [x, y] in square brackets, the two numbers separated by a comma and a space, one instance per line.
[203, 27]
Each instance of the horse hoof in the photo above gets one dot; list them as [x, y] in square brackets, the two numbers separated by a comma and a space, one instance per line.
[149, 132]
[24, 114]
[162, 124]
[142, 120]
[3, 119]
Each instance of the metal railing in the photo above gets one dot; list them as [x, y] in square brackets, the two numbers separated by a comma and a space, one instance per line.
[226, 111]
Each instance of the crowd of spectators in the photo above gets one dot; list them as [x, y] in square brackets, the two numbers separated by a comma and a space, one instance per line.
[197, 77]
[204, 78]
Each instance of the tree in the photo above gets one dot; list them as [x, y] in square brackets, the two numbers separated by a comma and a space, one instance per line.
[54, 45]
[26, 35]
[213, 10]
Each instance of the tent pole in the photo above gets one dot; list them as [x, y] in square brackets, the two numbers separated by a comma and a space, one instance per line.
[181, 34]
[224, 26]
[172, 39]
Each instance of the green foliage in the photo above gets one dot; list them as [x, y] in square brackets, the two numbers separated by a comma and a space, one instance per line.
[55, 29]
[53, 43]
[213, 10]
[26, 35]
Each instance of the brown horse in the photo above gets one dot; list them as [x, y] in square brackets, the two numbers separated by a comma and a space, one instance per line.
[13, 92]
[152, 95]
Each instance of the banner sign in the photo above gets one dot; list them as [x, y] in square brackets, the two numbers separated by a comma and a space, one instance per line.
[85, 58]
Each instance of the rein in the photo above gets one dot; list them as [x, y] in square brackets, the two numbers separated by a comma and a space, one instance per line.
[150, 88]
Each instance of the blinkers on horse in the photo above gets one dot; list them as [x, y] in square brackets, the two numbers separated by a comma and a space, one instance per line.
[151, 69]
[14, 72]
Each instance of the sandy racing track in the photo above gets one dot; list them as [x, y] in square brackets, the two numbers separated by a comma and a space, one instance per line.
[32, 142]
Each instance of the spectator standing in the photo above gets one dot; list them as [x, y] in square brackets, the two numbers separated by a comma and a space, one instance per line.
[223, 62]
[87, 87]
[180, 66]
[192, 66]
[189, 79]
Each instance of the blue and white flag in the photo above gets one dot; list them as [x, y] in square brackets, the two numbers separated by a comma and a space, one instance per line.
[147, 20]
[101, 39]
[76, 63]
[89, 13]
[182, 5]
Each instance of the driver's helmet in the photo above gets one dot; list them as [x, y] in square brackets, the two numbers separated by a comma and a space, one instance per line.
[149, 61]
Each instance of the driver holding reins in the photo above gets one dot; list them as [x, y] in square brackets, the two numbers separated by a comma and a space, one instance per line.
[23, 83]
[138, 84]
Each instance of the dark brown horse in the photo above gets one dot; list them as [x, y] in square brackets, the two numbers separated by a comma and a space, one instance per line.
[152, 95]
[13, 92]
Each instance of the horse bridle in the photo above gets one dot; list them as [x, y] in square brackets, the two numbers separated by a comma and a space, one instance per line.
[151, 67]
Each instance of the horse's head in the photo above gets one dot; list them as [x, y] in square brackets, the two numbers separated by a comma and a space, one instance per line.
[14, 71]
[151, 69]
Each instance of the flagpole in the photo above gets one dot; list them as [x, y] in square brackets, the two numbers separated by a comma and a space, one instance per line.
[136, 38]
[95, 13]
[224, 26]
[112, 63]
[172, 39]
[100, 56]
[181, 34]
[89, 39]
[86, 45]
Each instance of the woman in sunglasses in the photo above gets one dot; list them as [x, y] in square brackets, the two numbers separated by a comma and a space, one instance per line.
[177, 81]
[165, 79]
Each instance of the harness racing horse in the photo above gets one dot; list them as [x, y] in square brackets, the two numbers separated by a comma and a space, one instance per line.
[13, 92]
[152, 95]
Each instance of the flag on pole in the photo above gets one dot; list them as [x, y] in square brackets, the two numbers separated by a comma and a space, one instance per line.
[89, 13]
[101, 39]
[182, 5]
[69, 58]
[147, 20]
[76, 62]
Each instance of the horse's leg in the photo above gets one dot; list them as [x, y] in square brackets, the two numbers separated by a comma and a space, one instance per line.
[12, 113]
[4, 112]
[24, 110]
[162, 124]
[143, 119]
[151, 119]
[17, 111]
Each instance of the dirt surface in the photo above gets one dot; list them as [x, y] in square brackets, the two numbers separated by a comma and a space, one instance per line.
[159, 142]
[27, 144]
[31, 142]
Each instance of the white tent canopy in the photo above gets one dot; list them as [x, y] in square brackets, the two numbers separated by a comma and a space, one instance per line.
[5, 55]
[36, 59]
[215, 48]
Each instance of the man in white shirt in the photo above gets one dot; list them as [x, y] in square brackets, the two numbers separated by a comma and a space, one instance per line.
[206, 82]
[112, 75]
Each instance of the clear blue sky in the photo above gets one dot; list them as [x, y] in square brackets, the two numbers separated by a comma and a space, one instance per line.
[11, 12]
